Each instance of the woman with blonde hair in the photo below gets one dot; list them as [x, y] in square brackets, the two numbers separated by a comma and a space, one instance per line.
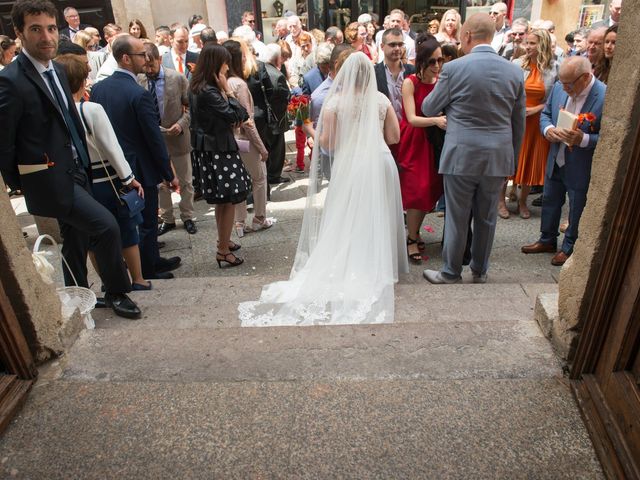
[540, 73]
[85, 40]
[450, 28]
[434, 27]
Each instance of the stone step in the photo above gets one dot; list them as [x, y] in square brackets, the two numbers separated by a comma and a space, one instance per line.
[448, 349]
[515, 428]
[212, 302]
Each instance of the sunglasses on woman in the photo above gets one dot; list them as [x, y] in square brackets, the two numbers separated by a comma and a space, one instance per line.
[433, 61]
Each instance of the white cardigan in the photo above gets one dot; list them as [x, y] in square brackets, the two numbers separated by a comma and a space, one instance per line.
[103, 144]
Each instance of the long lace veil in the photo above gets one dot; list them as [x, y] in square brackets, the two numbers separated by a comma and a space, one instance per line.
[346, 261]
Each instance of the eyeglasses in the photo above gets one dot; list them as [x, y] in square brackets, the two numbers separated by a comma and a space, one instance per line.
[137, 55]
[494, 13]
[570, 85]
[395, 44]
[251, 21]
[433, 61]
[518, 34]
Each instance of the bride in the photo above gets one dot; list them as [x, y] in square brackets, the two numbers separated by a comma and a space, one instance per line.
[351, 246]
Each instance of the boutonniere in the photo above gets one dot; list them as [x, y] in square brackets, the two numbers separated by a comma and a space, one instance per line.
[587, 119]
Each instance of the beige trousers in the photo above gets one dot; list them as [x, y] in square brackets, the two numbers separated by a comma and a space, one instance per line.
[258, 171]
[182, 165]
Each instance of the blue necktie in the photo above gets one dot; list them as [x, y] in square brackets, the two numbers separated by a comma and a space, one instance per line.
[154, 94]
[71, 126]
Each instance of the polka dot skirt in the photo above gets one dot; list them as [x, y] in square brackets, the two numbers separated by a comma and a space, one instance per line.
[223, 177]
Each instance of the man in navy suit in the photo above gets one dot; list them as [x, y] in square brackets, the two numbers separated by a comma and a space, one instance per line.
[569, 162]
[136, 121]
[179, 58]
[43, 152]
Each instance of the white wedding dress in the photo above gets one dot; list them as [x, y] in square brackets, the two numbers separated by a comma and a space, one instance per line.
[351, 245]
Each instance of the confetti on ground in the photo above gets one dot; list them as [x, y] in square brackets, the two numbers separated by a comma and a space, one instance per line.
[429, 228]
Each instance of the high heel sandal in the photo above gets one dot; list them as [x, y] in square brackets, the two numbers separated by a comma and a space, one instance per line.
[421, 244]
[222, 257]
[414, 257]
[240, 229]
[233, 247]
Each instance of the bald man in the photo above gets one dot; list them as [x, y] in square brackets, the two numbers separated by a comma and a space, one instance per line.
[615, 8]
[483, 97]
[568, 171]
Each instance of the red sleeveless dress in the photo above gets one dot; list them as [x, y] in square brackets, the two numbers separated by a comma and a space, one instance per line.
[420, 183]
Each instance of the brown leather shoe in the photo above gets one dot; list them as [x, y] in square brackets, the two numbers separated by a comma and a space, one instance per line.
[538, 247]
[559, 259]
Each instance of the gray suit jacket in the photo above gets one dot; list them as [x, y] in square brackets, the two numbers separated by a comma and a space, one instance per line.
[483, 97]
[175, 102]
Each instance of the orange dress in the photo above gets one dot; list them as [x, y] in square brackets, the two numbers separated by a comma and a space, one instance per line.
[535, 148]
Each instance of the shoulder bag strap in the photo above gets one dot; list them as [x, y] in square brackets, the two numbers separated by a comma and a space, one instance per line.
[106, 170]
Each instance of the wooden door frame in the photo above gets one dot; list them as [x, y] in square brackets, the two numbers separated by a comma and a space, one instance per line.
[16, 359]
[610, 331]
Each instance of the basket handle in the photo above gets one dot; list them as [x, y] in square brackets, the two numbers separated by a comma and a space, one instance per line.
[36, 248]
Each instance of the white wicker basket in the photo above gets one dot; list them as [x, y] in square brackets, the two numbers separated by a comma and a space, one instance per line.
[71, 298]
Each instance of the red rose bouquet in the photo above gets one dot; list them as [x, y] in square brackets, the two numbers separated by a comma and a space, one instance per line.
[298, 110]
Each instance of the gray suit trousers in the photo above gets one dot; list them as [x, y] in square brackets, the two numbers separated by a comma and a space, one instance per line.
[465, 195]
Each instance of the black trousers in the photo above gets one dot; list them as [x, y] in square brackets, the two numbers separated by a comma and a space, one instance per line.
[149, 252]
[276, 146]
[90, 223]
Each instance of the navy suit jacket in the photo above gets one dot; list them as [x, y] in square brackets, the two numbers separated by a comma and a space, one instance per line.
[33, 133]
[311, 80]
[577, 160]
[135, 120]
[191, 57]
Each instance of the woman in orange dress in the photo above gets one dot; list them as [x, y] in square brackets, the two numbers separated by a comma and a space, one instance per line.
[540, 73]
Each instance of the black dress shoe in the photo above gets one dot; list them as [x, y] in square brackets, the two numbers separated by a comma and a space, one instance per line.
[190, 227]
[167, 264]
[537, 202]
[159, 276]
[165, 227]
[275, 181]
[100, 303]
[122, 305]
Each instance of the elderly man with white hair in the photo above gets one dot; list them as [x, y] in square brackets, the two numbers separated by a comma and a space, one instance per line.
[314, 77]
[295, 29]
[278, 101]
[248, 35]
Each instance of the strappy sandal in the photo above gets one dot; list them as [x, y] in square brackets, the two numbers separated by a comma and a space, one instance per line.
[233, 247]
[414, 257]
[421, 244]
[224, 257]
[261, 224]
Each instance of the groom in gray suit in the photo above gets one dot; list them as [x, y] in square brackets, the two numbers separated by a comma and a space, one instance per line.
[483, 97]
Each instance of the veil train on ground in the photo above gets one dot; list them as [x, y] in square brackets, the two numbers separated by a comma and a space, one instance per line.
[351, 244]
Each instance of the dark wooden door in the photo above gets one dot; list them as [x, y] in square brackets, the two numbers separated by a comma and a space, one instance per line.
[606, 371]
[17, 369]
[96, 13]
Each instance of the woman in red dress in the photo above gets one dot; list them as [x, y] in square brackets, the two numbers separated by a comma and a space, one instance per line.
[420, 183]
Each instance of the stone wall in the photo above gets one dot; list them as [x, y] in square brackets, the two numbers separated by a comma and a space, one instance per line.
[35, 303]
[620, 126]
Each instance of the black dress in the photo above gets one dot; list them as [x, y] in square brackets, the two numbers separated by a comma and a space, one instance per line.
[215, 151]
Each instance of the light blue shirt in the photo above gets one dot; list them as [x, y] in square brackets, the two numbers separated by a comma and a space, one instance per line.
[317, 99]
[160, 91]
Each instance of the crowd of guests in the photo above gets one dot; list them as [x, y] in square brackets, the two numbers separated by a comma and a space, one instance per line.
[204, 113]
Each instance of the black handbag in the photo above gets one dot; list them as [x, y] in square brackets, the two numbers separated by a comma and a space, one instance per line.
[130, 203]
